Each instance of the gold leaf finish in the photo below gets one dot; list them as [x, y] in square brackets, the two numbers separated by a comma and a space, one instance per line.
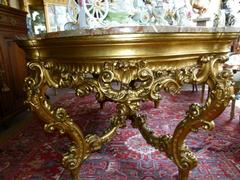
[128, 69]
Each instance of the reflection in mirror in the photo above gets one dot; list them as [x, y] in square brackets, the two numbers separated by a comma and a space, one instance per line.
[57, 17]
[63, 15]
[38, 21]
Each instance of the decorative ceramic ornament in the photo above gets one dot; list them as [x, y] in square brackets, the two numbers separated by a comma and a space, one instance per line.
[200, 6]
[73, 10]
[232, 9]
[96, 9]
[183, 17]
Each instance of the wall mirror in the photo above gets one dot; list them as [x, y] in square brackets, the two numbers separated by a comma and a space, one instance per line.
[37, 24]
[56, 14]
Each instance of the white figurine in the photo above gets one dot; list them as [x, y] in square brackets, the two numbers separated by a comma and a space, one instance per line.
[232, 8]
[77, 14]
[183, 13]
[200, 7]
[159, 10]
[142, 14]
[121, 13]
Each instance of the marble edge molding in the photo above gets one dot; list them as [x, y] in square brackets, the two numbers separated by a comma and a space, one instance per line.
[131, 30]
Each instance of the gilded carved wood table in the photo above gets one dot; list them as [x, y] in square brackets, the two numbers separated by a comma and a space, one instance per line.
[144, 60]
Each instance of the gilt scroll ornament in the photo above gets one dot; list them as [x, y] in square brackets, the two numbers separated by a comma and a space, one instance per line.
[127, 83]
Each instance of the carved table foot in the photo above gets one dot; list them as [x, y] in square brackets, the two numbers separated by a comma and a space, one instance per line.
[58, 119]
[198, 116]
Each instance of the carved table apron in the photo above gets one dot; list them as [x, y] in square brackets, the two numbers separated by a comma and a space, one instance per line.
[143, 62]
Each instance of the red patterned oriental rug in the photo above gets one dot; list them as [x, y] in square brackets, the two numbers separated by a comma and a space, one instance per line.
[35, 155]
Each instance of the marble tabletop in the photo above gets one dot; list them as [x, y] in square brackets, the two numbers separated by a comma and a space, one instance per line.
[132, 30]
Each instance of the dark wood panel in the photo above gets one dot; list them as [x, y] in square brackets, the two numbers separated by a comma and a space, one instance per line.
[12, 59]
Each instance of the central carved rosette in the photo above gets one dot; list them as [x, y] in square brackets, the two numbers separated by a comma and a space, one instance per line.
[126, 81]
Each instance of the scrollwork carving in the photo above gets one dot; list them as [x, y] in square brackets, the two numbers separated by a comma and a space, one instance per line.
[70, 159]
[137, 81]
[202, 116]
[62, 119]
[43, 76]
[125, 73]
[188, 159]
[55, 118]
[149, 82]
[162, 143]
